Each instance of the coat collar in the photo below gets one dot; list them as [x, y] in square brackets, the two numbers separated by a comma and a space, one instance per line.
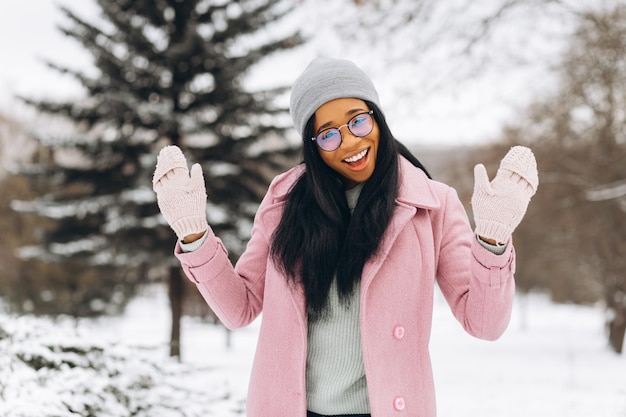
[415, 188]
[415, 192]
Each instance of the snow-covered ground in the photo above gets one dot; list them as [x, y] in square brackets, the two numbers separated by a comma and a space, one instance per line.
[553, 361]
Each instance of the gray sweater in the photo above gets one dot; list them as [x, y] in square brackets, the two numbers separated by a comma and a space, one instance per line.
[335, 376]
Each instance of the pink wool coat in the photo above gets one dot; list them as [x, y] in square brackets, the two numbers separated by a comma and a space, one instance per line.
[428, 240]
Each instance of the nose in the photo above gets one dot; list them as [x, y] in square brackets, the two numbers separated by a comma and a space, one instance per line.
[347, 137]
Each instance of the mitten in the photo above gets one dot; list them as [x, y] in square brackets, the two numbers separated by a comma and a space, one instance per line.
[499, 206]
[181, 196]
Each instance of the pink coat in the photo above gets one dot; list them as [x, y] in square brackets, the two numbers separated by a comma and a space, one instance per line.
[428, 240]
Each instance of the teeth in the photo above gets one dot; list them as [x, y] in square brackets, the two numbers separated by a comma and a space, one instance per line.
[357, 156]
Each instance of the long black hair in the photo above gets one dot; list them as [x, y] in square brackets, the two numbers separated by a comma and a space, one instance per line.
[317, 238]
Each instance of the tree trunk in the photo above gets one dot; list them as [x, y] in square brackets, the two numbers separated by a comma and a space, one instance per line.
[617, 329]
[176, 292]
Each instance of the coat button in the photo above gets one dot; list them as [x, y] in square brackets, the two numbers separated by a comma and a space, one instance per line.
[398, 403]
[398, 332]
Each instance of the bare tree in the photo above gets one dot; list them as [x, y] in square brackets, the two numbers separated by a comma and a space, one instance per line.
[572, 241]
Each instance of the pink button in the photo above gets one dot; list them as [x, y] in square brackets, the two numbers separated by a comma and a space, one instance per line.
[398, 403]
[398, 332]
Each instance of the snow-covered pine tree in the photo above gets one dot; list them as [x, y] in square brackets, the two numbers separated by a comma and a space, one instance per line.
[167, 72]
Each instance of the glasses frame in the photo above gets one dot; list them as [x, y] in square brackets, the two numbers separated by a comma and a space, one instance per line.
[369, 113]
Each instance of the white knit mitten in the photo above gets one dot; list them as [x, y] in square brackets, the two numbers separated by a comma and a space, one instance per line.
[181, 196]
[499, 206]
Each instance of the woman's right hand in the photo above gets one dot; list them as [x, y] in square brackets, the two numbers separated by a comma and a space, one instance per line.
[181, 194]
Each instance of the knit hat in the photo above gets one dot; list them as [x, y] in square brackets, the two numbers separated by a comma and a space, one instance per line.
[323, 80]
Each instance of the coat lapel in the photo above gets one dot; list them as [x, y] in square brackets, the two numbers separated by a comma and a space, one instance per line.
[270, 216]
[414, 193]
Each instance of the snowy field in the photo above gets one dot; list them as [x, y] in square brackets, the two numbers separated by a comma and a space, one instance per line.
[552, 362]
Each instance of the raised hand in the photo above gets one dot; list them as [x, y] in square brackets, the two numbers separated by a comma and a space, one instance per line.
[181, 194]
[500, 205]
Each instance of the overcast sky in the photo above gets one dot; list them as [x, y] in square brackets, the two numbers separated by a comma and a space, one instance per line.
[29, 35]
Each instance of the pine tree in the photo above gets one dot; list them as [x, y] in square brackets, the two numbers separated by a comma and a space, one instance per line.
[168, 72]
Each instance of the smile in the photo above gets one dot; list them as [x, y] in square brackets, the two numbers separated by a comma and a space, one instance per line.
[357, 157]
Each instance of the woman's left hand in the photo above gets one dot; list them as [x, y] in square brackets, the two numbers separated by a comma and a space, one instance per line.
[500, 205]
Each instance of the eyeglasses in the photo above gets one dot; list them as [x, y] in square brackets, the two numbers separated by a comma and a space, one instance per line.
[360, 125]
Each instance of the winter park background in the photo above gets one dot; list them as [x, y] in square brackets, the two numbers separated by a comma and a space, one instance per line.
[460, 82]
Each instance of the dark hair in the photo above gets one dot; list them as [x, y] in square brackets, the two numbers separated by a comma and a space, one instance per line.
[317, 237]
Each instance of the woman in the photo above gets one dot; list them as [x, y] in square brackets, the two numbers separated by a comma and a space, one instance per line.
[344, 255]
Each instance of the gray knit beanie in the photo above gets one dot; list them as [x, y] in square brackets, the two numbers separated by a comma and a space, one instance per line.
[323, 80]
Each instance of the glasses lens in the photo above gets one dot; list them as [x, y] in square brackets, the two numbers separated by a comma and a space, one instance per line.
[329, 139]
[361, 124]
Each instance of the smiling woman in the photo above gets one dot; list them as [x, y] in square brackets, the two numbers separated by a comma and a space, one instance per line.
[355, 154]
[345, 252]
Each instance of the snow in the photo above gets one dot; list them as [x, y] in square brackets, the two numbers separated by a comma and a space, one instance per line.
[608, 192]
[552, 361]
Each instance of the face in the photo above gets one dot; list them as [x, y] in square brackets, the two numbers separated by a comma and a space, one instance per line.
[355, 159]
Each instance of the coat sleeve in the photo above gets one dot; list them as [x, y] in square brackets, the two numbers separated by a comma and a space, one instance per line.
[478, 285]
[235, 294]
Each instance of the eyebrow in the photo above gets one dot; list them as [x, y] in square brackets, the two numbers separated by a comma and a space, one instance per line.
[348, 113]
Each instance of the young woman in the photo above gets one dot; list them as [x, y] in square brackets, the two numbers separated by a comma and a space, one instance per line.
[344, 255]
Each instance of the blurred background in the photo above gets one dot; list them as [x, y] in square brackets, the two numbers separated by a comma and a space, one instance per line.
[90, 91]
